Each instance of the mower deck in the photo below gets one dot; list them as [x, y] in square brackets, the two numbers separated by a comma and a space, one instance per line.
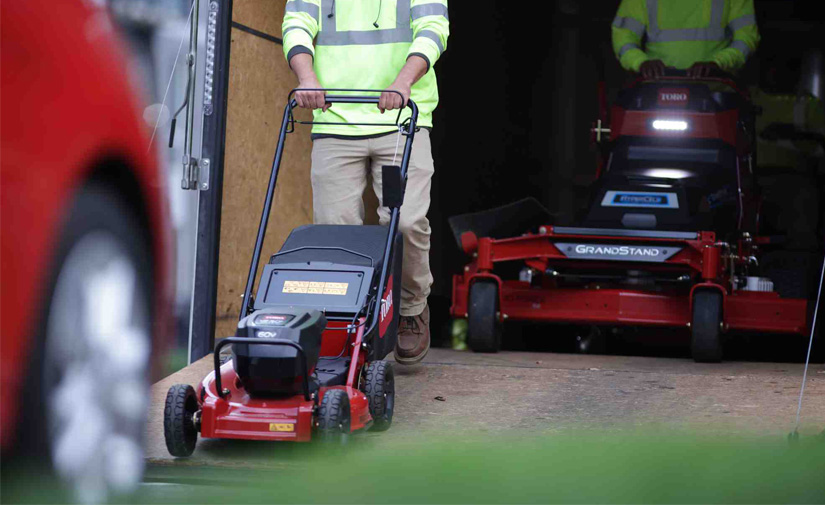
[680, 261]
[236, 414]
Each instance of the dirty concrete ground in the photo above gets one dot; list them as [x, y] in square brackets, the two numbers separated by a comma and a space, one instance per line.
[543, 393]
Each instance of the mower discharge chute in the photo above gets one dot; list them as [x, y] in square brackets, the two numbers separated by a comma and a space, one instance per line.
[307, 357]
[670, 238]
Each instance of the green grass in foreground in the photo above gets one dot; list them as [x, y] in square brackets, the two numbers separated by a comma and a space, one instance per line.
[606, 467]
[585, 467]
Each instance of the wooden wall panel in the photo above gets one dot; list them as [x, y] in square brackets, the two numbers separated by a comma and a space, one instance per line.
[263, 15]
[259, 80]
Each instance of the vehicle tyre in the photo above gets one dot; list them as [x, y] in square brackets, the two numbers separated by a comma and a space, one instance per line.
[706, 338]
[483, 328]
[85, 408]
[179, 421]
[334, 416]
[379, 387]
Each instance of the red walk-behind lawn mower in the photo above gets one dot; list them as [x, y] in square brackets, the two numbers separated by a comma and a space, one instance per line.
[307, 358]
[670, 238]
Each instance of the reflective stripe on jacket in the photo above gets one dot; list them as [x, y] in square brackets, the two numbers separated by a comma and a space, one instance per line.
[683, 32]
[363, 44]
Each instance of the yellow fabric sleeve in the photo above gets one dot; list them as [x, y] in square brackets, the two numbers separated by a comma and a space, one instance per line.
[745, 36]
[431, 28]
[628, 29]
[300, 26]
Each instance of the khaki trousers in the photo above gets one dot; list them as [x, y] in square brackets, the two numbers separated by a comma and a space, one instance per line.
[339, 177]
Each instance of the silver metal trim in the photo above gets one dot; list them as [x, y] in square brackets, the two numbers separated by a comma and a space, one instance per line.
[612, 232]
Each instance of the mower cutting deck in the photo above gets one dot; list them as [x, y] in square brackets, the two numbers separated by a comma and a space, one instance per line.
[670, 238]
[307, 357]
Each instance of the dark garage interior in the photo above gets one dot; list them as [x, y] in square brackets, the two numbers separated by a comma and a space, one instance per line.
[518, 96]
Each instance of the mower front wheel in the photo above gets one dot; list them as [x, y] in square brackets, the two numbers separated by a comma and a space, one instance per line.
[483, 328]
[179, 420]
[706, 339]
[379, 387]
[334, 418]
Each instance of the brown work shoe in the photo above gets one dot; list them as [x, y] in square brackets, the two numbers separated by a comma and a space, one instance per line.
[413, 338]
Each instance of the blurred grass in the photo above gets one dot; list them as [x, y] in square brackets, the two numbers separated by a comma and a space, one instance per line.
[586, 467]
[458, 330]
[176, 359]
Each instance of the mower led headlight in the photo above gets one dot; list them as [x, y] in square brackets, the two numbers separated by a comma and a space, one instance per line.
[669, 125]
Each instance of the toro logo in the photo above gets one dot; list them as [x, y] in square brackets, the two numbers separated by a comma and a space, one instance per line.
[386, 309]
[673, 97]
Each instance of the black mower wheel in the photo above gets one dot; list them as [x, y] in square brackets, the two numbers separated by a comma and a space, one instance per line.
[178, 420]
[334, 416]
[379, 387]
[483, 328]
[706, 338]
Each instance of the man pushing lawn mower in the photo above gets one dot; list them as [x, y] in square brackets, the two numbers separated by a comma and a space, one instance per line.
[372, 44]
[699, 36]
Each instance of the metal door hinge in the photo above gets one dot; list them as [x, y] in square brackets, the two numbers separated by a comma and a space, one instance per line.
[195, 173]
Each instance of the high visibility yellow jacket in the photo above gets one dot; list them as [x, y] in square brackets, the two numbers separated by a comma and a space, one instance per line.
[683, 32]
[363, 44]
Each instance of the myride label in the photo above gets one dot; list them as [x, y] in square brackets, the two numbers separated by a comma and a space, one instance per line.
[641, 199]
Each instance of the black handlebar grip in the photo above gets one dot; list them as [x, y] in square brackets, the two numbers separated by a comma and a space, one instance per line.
[172, 132]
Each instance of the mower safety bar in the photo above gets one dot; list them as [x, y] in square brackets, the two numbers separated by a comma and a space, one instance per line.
[260, 341]
[359, 99]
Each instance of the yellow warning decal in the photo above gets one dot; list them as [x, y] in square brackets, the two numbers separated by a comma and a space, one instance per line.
[316, 288]
[281, 427]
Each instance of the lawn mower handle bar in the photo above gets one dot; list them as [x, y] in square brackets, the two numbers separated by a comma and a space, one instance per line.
[353, 98]
[260, 341]
[408, 129]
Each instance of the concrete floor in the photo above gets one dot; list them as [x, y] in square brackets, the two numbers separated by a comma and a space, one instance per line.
[470, 393]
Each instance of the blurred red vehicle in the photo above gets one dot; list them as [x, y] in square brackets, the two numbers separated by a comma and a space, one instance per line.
[85, 250]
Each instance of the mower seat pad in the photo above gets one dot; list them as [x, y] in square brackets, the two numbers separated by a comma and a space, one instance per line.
[334, 243]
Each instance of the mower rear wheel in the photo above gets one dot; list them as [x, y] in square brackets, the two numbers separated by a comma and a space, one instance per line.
[334, 416]
[706, 339]
[379, 387]
[179, 420]
[483, 328]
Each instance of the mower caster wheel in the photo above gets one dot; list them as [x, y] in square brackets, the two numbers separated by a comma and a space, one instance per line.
[379, 387]
[334, 416]
[178, 420]
[705, 339]
[483, 328]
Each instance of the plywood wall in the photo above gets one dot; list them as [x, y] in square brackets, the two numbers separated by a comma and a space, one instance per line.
[259, 80]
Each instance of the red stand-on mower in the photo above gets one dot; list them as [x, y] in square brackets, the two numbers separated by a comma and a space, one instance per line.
[307, 358]
[670, 239]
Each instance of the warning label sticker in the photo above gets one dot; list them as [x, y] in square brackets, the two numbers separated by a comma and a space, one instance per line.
[316, 288]
[281, 427]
